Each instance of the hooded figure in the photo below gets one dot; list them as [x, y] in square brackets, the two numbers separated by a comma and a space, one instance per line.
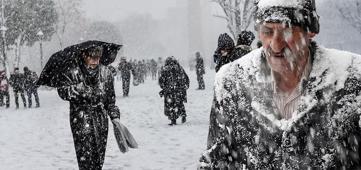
[174, 83]
[223, 52]
[288, 105]
[92, 99]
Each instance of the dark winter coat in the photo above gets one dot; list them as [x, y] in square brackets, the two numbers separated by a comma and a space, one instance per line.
[325, 134]
[92, 100]
[174, 81]
[225, 42]
[30, 78]
[200, 66]
[125, 68]
[17, 82]
[235, 54]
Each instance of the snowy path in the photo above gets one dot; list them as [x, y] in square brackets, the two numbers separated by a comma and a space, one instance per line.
[41, 138]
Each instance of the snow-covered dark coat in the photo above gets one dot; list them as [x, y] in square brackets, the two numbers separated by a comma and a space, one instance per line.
[91, 99]
[174, 81]
[325, 133]
[17, 82]
[200, 66]
[235, 54]
[126, 69]
[30, 78]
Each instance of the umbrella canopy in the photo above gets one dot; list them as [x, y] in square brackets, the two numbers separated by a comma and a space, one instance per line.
[68, 58]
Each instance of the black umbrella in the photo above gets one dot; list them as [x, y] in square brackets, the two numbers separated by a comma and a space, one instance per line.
[68, 58]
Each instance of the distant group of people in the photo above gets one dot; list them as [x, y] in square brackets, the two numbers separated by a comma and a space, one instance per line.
[21, 83]
[140, 70]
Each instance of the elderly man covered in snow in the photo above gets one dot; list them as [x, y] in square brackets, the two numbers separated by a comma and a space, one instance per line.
[289, 105]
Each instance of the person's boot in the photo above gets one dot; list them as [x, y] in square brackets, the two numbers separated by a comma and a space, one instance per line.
[173, 122]
[184, 119]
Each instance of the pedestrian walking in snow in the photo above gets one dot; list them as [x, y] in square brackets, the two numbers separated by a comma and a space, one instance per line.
[30, 86]
[174, 83]
[223, 52]
[125, 69]
[82, 76]
[4, 90]
[17, 83]
[160, 64]
[153, 69]
[289, 105]
[200, 71]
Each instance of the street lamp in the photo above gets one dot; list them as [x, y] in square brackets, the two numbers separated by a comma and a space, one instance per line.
[41, 34]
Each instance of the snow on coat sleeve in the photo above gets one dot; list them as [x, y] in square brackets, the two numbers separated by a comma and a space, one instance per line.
[112, 109]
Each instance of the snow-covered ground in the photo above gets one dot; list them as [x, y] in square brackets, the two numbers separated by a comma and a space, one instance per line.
[40, 138]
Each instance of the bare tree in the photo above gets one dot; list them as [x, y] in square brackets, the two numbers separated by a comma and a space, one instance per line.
[237, 13]
[351, 11]
[69, 12]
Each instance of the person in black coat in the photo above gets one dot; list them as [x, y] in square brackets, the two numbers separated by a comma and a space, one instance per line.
[125, 69]
[200, 71]
[174, 83]
[17, 82]
[30, 86]
[226, 51]
[245, 39]
[92, 99]
[223, 52]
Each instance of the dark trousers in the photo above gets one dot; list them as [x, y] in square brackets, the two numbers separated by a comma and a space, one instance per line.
[200, 81]
[6, 95]
[34, 92]
[154, 75]
[125, 85]
[90, 133]
[173, 107]
[16, 94]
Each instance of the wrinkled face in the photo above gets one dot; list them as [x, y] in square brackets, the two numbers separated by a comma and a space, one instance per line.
[91, 62]
[286, 48]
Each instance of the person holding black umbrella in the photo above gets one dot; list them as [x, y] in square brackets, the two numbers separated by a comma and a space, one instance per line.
[91, 98]
[82, 76]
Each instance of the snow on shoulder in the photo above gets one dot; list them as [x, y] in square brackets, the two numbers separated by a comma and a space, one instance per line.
[230, 72]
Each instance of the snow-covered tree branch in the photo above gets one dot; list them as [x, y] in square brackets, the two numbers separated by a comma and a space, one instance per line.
[238, 14]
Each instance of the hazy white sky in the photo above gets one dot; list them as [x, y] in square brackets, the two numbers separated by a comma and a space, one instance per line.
[113, 10]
